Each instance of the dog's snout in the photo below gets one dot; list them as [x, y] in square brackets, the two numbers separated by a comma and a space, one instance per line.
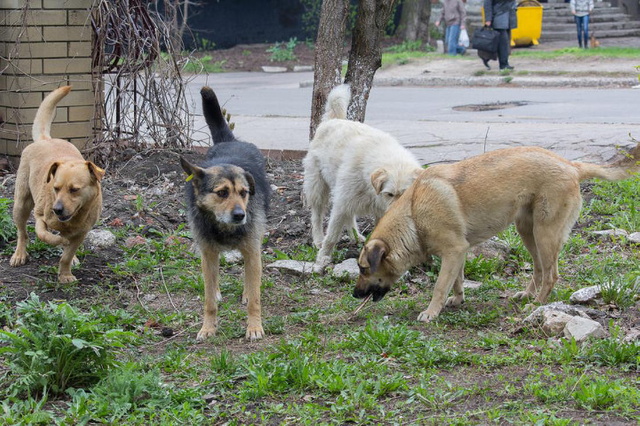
[238, 214]
[58, 209]
[377, 291]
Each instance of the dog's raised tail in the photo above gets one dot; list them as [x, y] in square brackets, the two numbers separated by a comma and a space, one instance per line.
[220, 131]
[46, 112]
[337, 103]
[619, 170]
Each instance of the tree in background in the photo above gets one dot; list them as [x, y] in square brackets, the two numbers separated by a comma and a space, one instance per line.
[365, 56]
[414, 20]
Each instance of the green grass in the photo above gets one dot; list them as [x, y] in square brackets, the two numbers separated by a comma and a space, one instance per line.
[601, 52]
[320, 362]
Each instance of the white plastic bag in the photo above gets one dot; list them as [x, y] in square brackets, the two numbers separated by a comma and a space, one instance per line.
[464, 38]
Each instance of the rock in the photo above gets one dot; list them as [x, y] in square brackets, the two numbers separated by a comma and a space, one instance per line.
[583, 328]
[348, 267]
[491, 249]
[537, 316]
[635, 238]
[297, 267]
[302, 68]
[233, 256]
[608, 233]
[586, 295]
[471, 284]
[266, 68]
[99, 238]
[632, 335]
[554, 322]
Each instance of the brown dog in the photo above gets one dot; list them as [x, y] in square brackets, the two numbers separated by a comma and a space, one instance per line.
[61, 188]
[453, 207]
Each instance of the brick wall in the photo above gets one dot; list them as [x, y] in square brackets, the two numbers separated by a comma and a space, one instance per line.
[45, 44]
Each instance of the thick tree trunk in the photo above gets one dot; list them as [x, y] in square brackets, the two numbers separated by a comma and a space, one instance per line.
[366, 52]
[328, 56]
[414, 21]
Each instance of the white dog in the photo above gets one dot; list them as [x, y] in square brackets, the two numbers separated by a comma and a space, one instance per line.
[363, 170]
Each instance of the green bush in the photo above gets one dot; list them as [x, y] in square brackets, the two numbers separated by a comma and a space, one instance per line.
[54, 347]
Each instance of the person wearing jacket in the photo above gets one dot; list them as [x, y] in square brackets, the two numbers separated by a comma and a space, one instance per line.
[580, 9]
[454, 15]
[501, 16]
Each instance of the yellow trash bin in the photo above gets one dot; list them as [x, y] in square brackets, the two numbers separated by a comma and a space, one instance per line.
[529, 29]
[529, 14]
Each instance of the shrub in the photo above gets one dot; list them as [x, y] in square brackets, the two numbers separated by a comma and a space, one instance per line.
[54, 347]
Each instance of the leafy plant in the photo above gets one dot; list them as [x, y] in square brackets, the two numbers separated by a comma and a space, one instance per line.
[54, 347]
[281, 52]
[621, 290]
[7, 230]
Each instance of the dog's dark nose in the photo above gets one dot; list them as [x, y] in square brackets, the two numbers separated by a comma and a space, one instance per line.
[238, 214]
[58, 209]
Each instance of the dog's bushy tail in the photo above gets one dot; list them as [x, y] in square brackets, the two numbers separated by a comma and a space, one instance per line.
[46, 112]
[619, 170]
[337, 103]
[218, 126]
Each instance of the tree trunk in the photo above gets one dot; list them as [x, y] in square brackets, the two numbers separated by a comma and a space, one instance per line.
[414, 20]
[328, 56]
[366, 53]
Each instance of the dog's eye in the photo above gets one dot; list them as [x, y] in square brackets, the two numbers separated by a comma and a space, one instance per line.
[72, 190]
[56, 189]
[243, 193]
[223, 193]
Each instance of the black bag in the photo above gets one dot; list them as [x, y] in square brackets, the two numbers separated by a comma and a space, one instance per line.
[485, 39]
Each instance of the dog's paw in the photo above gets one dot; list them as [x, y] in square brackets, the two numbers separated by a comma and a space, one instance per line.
[255, 333]
[455, 301]
[322, 262]
[18, 259]
[66, 278]
[426, 316]
[75, 261]
[205, 332]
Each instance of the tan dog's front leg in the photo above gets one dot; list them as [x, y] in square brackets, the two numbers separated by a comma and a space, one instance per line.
[42, 231]
[210, 273]
[450, 271]
[252, 282]
[68, 259]
[458, 290]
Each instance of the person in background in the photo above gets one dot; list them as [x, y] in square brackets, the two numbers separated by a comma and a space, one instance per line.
[580, 9]
[501, 16]
[454, 15]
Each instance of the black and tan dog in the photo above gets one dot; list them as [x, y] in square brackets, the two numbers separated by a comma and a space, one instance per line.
[228, 199]
[61, 187]
[453, 207]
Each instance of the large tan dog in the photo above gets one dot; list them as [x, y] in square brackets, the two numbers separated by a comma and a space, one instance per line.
[453, 207]
[61, 188]
[355, 168]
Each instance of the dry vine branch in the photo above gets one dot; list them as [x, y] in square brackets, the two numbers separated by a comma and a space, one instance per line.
[139, 85]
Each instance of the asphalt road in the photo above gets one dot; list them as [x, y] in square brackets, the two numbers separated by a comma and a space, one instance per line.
[438, 124]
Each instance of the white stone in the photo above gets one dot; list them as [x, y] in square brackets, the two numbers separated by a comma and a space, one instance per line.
[471, 284]
[635, 238]
[583, 328]
[586, 295]
[633, 335]
[297, 267]
[537, 316]
[554, 322]
[266, 68]
[99, 238]
[302, 68]
[612, 233]
[233, 256]
[490, 249]
[348, 267]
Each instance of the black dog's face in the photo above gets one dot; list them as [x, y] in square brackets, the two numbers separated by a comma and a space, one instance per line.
[375, 277]
[222, 191]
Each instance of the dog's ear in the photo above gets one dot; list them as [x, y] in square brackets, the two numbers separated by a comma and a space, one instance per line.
[251, 182]
[378, 178]
[52, 171]
[191, 170]
[95, 171]
[372, 255]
